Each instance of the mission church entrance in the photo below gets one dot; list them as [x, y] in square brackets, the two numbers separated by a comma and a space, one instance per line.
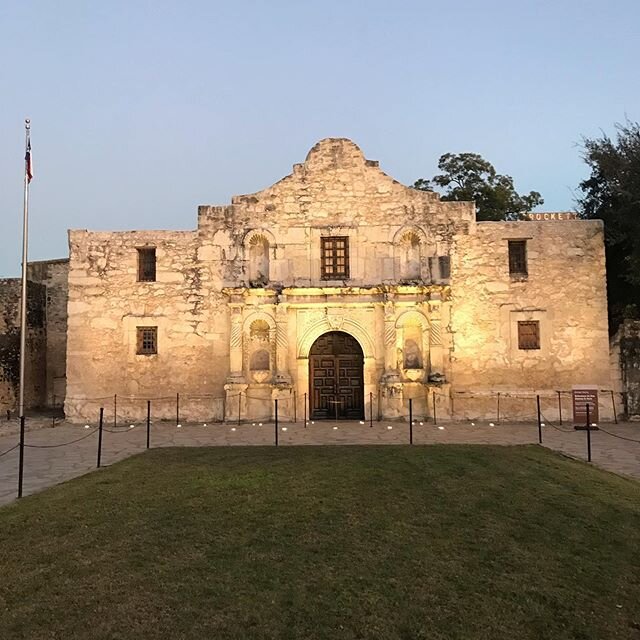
[336, 377]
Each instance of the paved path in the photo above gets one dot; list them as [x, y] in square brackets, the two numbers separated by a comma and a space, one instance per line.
[47, 464]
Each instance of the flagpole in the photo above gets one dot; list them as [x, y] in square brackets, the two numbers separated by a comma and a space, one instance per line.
[23, 309]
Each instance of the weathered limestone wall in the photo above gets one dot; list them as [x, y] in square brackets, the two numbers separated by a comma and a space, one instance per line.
[53, 274]
[35, 380]
[625, 351]
[240, 301]
[565, 291]
[107, 303]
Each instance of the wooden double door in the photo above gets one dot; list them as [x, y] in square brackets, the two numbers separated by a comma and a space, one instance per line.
[336, 377]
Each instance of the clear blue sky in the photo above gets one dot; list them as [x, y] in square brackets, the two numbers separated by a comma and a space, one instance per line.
[142, 110]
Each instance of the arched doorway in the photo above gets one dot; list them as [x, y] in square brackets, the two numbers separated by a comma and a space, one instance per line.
[336, 381]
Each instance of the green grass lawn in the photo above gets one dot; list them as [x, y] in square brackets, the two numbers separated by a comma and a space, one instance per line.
[326, 542]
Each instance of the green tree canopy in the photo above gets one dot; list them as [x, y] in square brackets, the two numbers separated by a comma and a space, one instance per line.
[468, 176]
[612, 194]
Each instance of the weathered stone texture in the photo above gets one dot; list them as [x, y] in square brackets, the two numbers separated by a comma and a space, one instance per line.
[625, 351]
[240, 301]
[35, 364]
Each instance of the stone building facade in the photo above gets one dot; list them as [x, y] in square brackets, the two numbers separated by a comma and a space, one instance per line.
[337, 291]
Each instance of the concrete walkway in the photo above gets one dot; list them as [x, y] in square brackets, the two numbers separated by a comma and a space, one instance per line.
[47, 463]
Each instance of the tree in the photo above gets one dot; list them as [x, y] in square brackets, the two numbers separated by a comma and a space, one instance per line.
[468, 176]
[612, 194]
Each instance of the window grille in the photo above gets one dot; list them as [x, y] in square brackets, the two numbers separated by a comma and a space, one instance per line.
[518, 257]
[147, 264]
[529, 334]
[334, 257]
[147, 341]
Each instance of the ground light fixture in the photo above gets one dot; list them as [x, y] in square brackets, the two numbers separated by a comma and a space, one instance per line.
[86, 426]
[441, 428]
[389, 426]
[179, 426]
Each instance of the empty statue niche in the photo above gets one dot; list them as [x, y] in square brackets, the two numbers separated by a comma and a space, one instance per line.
[259, 350]
[413, 346]
[258, 261]
[409, 255]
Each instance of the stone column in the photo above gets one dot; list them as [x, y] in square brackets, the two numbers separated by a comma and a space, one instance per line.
[390, 353]
[435, 337]
[235, 346]
[282, 344]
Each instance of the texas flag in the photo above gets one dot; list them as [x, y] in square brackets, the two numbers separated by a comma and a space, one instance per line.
[28, 166]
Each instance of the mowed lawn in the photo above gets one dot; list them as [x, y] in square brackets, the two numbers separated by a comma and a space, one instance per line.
[326, 542]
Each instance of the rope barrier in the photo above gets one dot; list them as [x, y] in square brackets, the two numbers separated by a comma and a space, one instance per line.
[615, 435]
[63, 444]
[557, 428]
[4, 453]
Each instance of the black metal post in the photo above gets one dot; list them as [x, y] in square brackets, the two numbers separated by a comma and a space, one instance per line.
[239, 406]
[539, 421]
[371, 409]
[115, 410]
[410, 420]
[379, 412]
[148, 422]
[305, 410]
[21, 460]
[295, 410]
[335, 402]
[435, 418]
[560, 406]
[276, 401]
[613, 404]
[588, 434]
[498, 412]
[100, 436]
[177, 408]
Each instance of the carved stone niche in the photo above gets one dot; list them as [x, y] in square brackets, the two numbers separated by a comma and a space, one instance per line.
[260, 351]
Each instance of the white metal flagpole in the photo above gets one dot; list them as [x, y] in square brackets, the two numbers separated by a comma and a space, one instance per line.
[25, 226]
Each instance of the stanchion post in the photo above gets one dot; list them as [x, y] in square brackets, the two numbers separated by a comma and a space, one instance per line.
[498, 410]
[177, 408]
[100, 437]
[239, 406]
[560, 406]
[276, 411]
[21, 460]
[295, 409]
[410, 420]
[588, 434]
[148, 422]
[539, 420]
[435, 418]
[613, 404]
[371, 409]
[115, 410]
[305, 410]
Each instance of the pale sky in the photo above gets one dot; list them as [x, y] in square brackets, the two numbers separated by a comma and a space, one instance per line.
[142, 110]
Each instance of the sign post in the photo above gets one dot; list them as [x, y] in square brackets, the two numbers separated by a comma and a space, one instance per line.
[585, 406]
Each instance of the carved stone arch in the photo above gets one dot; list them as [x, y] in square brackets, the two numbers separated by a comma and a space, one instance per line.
[408, 229]
[322, 326]
[249, 235]
[412, 317]
[258, 315]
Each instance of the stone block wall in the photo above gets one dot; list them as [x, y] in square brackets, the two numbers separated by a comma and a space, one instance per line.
[625, 351]
[565, 291]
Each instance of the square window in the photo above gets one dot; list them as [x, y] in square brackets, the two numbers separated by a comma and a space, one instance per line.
[529, 334]
[518, 258]
[147, 264]
[147, 341]
[334, 257]
[444, 262]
